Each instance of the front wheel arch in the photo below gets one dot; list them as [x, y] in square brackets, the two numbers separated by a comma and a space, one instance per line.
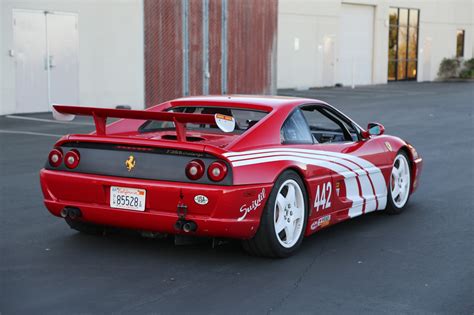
[411, 162]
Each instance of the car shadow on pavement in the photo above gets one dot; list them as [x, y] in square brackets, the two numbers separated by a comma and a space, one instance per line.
[116, 242]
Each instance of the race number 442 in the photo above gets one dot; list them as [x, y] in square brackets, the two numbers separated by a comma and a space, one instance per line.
[322, 200]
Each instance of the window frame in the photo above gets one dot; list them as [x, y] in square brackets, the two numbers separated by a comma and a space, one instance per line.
[343, 119]
[463, 32]
[407, 60]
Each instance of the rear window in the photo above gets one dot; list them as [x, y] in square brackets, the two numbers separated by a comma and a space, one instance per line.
[244, 119]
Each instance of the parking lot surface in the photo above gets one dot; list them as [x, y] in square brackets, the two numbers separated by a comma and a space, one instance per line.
[419, 262]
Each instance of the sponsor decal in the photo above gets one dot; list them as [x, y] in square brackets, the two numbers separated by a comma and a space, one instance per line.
[224, 122]
[130, 163]
[201, 200]
[245, 209]
[184, 153]
[389, 146]
[338, 188]
[320, 199]
[321, 222]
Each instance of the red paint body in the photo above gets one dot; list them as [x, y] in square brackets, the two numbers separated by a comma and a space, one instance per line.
[219, 217]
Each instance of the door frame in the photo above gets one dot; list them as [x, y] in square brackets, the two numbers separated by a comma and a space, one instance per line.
[407, 59]
[46, 51]
[372, 43]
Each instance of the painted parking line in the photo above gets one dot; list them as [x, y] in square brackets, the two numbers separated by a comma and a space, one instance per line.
[21, 132]
[49, 120]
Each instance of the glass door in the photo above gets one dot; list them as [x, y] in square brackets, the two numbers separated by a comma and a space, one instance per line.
[403, 44]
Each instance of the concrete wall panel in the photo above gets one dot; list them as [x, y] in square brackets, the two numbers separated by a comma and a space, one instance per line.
[315, 22]
[111, 67]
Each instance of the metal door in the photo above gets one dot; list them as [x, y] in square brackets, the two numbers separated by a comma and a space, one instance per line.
[62, 45]
[46, 59]
[29, 36]
[356, 44]
[328, 61]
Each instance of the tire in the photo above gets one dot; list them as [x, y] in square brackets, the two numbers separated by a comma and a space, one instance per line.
[283, 213]
[399, 184]
[83, 227]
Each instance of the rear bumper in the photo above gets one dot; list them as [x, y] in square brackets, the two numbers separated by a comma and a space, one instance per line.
[218, 218]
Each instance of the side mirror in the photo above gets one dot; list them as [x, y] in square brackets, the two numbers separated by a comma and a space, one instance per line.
[373, 129]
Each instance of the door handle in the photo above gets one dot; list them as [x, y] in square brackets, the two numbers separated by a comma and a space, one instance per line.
[49, 62]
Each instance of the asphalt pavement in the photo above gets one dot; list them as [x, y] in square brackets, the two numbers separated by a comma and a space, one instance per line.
[419, 262]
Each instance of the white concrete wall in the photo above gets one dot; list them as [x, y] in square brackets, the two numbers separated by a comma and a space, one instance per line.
[313, 21]
[2, 57]
[307, 22]
[111, 67]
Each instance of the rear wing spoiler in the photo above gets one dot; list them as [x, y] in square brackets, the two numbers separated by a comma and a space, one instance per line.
[100, 115]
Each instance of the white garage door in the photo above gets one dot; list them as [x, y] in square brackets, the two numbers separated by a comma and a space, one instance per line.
[356, 44]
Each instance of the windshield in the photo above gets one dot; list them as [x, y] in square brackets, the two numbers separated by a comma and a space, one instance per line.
[244, 119]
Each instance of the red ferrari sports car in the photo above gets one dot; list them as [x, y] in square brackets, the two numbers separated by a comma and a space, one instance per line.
[266, 170]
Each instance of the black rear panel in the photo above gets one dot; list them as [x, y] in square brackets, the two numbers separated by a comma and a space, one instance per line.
[150, 163]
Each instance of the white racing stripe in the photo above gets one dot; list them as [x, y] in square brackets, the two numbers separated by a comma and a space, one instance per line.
[354, 170]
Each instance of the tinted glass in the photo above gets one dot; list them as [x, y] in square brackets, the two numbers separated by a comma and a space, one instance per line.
[460, 43]
[403, 17]
[402, 42]
[411, 72]
[295, 129]
[402, 70]
[392, 69]
[392, 42]
[412, 43]
[414, 17]
[393, 16]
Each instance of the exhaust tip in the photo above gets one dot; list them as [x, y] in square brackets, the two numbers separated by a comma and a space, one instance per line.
[71, 212]
[64, 212]
[179, 225]
[189, 226]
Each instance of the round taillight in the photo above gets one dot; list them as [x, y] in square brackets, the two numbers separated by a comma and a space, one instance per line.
[55, 157]
[217, 171]
[71, 159]
[195, 169]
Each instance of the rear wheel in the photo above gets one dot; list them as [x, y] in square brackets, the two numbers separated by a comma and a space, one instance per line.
[283, 219]
[83, 227]
[400, 183]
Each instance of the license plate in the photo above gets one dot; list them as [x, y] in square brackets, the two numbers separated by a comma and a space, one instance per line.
[127, 198]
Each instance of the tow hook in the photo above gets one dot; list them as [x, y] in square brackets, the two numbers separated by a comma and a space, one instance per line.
[182, 224]
[182, 210]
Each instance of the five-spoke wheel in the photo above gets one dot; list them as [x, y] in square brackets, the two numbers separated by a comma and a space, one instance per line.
[283, 220]
[399, 185]
[289, 213]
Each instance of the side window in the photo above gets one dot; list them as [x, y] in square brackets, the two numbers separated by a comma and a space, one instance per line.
[346, 126]
[327, 127]
[295, 129]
